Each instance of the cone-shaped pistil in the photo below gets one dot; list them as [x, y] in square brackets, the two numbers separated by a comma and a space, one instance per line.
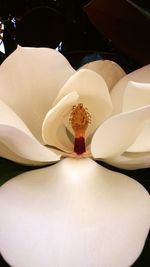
[79, 119]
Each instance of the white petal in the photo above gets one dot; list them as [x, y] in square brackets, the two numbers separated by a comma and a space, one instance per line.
[73, 214]
[30, 80]
[142, 142]
[136, 95]
[54, 130]
[141, 76]
[5, 152]
[16, 138]
[119, 132]
[109, 70]
[131, 161]
[93, 93]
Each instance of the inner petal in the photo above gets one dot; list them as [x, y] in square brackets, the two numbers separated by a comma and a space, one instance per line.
[93, 93]
[53, 129]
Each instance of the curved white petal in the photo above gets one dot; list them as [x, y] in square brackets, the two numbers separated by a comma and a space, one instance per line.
[73, 214]
[15, 138]
[8, 154]
[130, 161]
[141, 75]
[119, 132]
[53, 129]
[30, 79]
[93, 93]
[142, 142]
[136, 95]
[26, 146]
[109, 70]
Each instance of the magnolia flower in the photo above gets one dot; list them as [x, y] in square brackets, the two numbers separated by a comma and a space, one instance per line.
[74, 212]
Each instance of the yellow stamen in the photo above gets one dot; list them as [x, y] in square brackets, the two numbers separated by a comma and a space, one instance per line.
[79, 119]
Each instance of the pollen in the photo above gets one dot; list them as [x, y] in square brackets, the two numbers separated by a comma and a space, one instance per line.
[79, 119]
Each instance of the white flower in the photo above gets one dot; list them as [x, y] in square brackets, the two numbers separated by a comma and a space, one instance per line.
[75, 212]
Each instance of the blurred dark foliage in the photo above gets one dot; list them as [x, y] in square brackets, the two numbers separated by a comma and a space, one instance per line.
[142, 3]
[87, 31]
[126, 23]
[48, 23]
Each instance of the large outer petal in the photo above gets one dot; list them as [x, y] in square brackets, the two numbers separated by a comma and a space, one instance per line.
[130, 161]
[93, 93]
[141, 75]
[119, 132]
[74, 213]
[137, 95]
[17, 142]
[30, 78]
[109, 70]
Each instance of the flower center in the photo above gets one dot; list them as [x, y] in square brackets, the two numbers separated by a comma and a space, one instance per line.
[79, 119]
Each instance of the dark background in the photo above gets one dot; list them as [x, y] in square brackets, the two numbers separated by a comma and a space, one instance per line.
[118, 30]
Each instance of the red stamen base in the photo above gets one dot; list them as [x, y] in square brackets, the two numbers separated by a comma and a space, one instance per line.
[79, 145]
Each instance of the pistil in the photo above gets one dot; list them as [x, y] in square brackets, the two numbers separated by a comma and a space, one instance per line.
[79, 119]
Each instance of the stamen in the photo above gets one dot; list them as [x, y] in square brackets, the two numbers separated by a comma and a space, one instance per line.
[79, 119]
